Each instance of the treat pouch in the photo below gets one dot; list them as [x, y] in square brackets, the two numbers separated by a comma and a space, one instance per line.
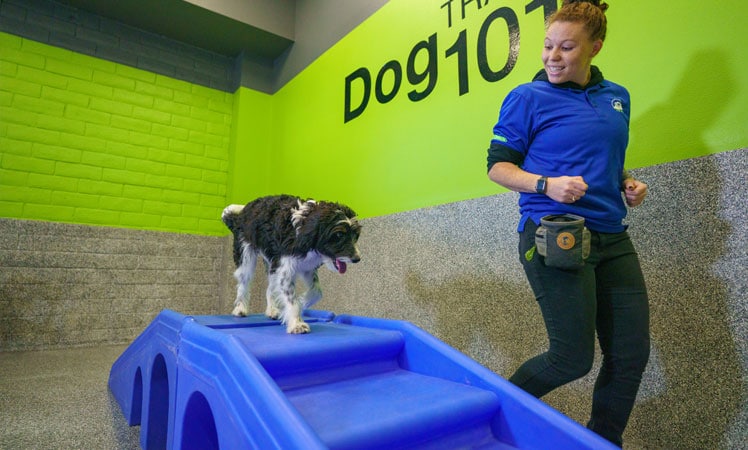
[563, 240]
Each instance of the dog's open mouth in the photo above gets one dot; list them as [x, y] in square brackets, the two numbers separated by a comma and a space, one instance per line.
[340, 266]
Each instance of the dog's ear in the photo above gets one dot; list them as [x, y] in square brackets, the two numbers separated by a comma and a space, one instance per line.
[300, 214]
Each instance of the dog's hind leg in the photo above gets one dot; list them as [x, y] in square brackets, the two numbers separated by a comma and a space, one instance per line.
[313, 293]
[244, 274]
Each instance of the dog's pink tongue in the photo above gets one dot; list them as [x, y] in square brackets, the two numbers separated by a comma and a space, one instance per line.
[341, 266]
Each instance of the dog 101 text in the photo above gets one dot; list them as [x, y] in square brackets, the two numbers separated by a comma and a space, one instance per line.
[392, 70]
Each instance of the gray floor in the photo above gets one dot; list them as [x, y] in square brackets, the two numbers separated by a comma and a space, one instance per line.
[58, 399]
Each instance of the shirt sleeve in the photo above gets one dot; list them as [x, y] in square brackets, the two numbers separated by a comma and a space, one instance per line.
[512, 133]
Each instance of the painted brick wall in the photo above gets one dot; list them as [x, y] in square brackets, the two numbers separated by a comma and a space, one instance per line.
[90, 141]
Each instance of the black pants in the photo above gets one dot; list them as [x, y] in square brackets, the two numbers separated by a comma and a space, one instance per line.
[607, 295]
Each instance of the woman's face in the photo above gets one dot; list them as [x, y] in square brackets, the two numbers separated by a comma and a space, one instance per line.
[568, 52]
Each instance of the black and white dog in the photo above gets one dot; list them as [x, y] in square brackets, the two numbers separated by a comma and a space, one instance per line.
[294, 237]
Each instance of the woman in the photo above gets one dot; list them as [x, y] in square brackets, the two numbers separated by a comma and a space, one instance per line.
[560, 142]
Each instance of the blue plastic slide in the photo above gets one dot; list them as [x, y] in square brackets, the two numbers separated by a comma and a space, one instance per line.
[222, 382]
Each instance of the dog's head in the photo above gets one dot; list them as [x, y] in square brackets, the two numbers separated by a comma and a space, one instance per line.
[331, 229]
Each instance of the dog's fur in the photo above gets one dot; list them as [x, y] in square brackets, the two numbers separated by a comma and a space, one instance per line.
[294, 237]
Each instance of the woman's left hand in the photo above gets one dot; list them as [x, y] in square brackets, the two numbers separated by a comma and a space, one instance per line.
[634, 191]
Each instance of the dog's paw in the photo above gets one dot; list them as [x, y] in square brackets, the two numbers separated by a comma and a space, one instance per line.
[298, 327]
[272, 312]
[239, 310]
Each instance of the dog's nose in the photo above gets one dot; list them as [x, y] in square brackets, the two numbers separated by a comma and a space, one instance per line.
[355, 259]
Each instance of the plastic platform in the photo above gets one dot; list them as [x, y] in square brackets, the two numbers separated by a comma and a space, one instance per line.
[221, 382]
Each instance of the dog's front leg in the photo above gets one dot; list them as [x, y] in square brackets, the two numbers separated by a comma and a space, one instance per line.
[284, 282]
[314, 292]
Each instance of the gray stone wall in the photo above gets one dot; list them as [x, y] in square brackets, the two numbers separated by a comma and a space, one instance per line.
[65, 285]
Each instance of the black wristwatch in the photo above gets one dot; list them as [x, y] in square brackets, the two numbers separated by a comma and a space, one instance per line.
[542, 185]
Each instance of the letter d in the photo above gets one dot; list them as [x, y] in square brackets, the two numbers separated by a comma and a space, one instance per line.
[364, 75]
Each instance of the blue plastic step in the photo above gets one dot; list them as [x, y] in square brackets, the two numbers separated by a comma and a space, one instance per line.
[396, 408]
[221, 382]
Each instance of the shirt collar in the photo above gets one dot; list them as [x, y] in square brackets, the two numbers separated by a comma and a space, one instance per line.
[596, 77]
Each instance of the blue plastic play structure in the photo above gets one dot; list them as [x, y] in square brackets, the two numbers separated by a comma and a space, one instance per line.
[222, 382]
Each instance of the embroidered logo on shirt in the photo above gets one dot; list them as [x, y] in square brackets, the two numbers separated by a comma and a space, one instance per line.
[617, 104]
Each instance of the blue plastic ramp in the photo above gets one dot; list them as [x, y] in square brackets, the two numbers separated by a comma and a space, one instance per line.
[221, 382]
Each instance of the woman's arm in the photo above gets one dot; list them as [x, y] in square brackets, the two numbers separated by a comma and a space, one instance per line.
[562, 189]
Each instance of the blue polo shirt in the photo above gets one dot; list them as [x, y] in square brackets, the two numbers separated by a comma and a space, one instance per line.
[568, 130]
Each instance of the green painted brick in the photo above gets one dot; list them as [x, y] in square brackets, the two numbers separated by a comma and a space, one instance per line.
[202, 162]
[142, 192]
[200, 186]
[151, 115]
[100, 159]
[96, 216]
[140, 220]
[145, 166]
[116, 203]
[166, 156]
[20, 86]
[154, 90]
[180, 196]
[78, 171]
[108, 133]
[215, 201]
[25, 194]
[39, 48]
[56, 153]
[128, 123]
[111, 106]
[205, 115]
[15, 147]
[74, 199]
[164, 181]
[214, 176]
[100, 188]
[28, 164]
[221, 105]
[69, 69]
[188, 123]
[90, 88]
[163, 208]
[13, 177]
[123, 176]
[32, 134]
[127, 149]
[10, 41]
[8, 68]
[94, 63]
[10, 209]
[170, 132]
[65, 96]
[87, 115]
[72, 140]
[137, 74]
[53, 182]
[23, 58]
[186, 147]
[203, 212]
[171, 107]
[212, 227]
[132, 98]
[54, 213]
[205, 138]
[189, 99]
[189, 224]
[184, 172]
[62, 124]
[42, 77]
[24, 119]
[38, 105]
[113, 79]
[5, 99]
[173, 83]
[148, 140]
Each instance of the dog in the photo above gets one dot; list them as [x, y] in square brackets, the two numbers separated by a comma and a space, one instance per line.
[294, 237]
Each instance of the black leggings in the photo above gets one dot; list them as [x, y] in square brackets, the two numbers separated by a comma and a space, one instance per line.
[607, 295]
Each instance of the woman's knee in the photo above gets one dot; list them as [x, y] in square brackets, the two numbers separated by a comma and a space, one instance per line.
[572, 366]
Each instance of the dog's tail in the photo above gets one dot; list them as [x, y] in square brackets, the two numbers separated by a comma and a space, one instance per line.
[230, 215]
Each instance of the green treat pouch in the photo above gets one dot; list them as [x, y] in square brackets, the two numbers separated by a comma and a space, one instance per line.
[563, 240]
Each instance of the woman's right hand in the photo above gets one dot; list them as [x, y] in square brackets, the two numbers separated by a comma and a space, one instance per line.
[566, 189]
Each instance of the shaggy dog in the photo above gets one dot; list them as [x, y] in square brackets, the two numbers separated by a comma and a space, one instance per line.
[294, 237]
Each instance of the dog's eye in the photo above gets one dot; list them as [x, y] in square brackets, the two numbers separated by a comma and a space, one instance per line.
[338, 235]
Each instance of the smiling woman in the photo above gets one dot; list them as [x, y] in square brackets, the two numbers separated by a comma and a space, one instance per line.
[561, 143]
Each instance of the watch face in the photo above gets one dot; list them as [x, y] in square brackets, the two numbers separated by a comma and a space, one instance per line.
[540, 186]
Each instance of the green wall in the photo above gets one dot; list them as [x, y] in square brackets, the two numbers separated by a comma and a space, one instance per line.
[681, 62]
[88, 141]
